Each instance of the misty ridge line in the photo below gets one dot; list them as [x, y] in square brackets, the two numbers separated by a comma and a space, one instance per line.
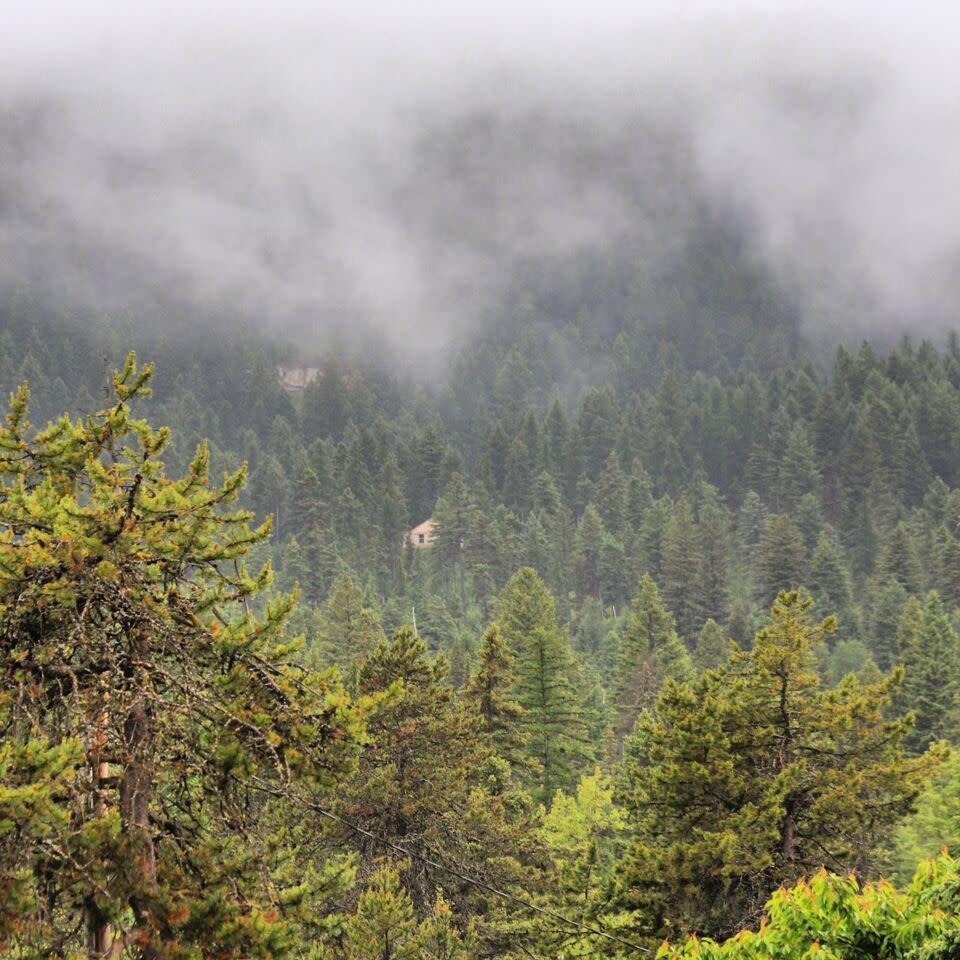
[361, 179]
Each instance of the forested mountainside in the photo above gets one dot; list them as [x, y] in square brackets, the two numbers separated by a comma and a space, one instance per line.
[551, 703]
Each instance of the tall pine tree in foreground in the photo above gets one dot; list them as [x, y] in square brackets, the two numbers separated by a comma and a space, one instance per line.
[754, 775]
[147, 714]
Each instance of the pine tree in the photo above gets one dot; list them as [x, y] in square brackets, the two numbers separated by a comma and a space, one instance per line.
[546, 495]
[750, 525]
[782, 559]
[797, 473]
[680, 571]
[809, 520]
[581, 833]
[882, 612]
[588, 554]
[713, 649]
[946, 563]
[597, 424]
[611, 495]
[750, 776]
[931, 683]
[392, 521]
[144, 708]
[650, 536]
[935, 823]
[547, 677]
[346, 630]
[650, 651]
[900, 561]
[383, 927]
[639, 496]
[451, 523]
[424, 781]
[481, 549]
[713, 530]
[556, 432]
[518, 476]
[489, 693]
[829, 582]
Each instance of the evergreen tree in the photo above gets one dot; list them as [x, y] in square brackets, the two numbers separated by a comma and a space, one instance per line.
[748, 777]
[556, 432]
[581, 833]
[423, 782]
[680, 570]
[588, 554]
[751, 523]
[797, 474]
[782, 559]
[490, 694]
[385, 927]
[611, 493]
[935, 823]
[546, 495]
[830, 582]
[346, 630]
[931, 683]
[946, 564]
[143, 711]
[883, 609]
[650, 651]
[547, 680]
[392, 522]
[899, 560]
[650, 536]
[713, 531]
[713, 649]
[597, 425]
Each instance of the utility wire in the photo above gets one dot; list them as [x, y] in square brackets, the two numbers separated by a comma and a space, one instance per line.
[586, 928]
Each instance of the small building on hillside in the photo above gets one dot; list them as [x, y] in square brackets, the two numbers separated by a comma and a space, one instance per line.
[295, 379]
[422, 535]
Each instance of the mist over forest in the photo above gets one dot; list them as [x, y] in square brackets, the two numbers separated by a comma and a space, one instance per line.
[422, 175]
[479, 483]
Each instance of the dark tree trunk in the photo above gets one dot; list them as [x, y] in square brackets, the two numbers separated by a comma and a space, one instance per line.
[136, 791]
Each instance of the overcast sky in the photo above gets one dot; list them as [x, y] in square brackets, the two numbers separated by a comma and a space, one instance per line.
[275, 160]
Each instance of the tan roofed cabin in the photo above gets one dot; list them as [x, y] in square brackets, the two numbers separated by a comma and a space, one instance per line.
[295, 379]
[422, 535]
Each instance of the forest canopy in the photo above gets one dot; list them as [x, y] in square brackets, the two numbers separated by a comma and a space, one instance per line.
[595, 709]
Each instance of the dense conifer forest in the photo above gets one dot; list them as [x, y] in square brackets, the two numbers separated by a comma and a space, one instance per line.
[479, 485]
[676, 642]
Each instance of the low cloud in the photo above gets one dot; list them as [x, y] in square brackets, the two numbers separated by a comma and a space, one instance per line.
[401, 172]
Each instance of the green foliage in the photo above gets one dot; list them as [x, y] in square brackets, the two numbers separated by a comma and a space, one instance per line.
[713, 648]
[549, 684]
[832, 917]
[700, 448]
[490, 695]
[345, 630]
[935, 823]
[650, 651]
[581, 833]
[931, 685]
[384, 927]
[751, 775]
[782, 558]
[147, 710]
[428, 781]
